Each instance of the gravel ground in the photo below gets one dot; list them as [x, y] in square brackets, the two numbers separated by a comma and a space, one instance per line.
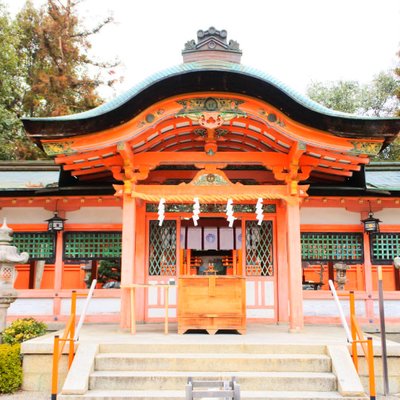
[46, 396]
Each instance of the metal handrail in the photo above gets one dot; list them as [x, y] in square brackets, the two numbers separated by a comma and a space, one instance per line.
[357, 337]
[84, 310]
[341, 313]
[70, 335]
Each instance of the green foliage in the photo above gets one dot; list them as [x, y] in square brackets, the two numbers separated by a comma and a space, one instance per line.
[44, 70]
[109, 270]
[340, 96]
[10, 368]
[23, 329]
[379, 98]
[376, 99]
[13, 141]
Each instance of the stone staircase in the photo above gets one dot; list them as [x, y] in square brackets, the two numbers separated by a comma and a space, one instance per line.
[160, 371]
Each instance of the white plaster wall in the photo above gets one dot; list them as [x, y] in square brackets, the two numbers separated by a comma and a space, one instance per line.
[269, 293]
[251, 287]
[95, 215]
[96, 306]
[328, 215]
[260, 313]
[154, 292]
[31, 307]
[389, 216]
[392, 308]
[25, 215]
[328, 308]
[250, 293]
[160, 313]
[152, 296]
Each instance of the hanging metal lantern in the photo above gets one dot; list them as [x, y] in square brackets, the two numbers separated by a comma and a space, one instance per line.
[55, 223]
[371, 224]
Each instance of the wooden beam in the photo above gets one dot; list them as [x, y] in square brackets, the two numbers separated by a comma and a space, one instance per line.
[336, 156]
[85, 155]
[313, 161]
[125, 150]
[296, 151]
[268, 159]
[333, 171]
[89, 171]
[108, 161]
[163, 175]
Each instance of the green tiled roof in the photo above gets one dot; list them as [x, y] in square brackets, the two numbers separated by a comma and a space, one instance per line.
[383, 176]
[211, 65]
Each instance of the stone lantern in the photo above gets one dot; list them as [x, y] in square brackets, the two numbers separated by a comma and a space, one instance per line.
[9, 257]
[341, 269]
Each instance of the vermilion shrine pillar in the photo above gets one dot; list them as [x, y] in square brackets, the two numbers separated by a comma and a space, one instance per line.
[139, 273]
[282, 259]
[296, 319]
[128, 255]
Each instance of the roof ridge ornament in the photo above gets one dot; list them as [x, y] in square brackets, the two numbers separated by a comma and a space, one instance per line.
[212, 44]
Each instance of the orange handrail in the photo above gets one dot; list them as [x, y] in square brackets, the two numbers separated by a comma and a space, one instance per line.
[68, 336]
[366, 345]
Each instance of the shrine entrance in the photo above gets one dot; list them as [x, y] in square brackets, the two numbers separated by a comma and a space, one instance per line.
[178, 248]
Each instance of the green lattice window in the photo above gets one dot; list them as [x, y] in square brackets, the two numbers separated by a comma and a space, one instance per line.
[259, 248]
[39, 245]
[162, 248]
[384, 247]
[92, 245]
[332, 247]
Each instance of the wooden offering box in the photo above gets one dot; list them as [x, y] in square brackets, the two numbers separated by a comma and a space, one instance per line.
[211, 302]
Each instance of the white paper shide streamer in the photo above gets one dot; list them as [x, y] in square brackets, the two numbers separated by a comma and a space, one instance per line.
[196, 210]
[161, 211]
[259, 211]
[229, 212]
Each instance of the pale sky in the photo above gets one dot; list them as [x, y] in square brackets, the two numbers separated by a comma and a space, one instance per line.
[295, 41]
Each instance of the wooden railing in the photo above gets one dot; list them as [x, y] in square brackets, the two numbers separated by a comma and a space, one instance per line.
[70, 335]
[355, 337]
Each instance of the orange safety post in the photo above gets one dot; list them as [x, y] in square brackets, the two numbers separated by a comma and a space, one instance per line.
[371, 370]
[366, 345]
[54, 377]
[353, 330]
[360, 335]
[72, 329]
[68, 336]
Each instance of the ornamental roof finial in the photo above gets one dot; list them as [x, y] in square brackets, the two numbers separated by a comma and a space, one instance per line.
[212, 45]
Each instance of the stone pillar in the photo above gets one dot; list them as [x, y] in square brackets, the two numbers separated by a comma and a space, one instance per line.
[5, 301]
[9, 257]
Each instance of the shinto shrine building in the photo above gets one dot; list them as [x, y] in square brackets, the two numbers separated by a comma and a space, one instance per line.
[243, 195]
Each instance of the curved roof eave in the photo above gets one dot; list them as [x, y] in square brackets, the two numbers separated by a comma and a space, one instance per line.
[218, 76]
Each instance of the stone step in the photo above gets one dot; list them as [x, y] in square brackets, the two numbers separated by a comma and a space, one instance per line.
[175, 380]
[212, 362]
[180, 395]
[213, 348]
